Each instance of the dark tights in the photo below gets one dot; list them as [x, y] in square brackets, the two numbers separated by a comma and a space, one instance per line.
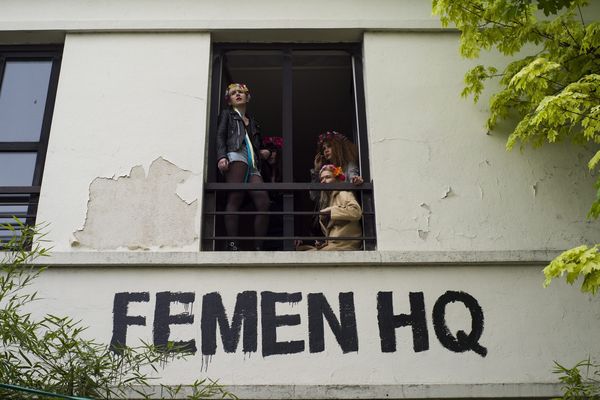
[236, 174]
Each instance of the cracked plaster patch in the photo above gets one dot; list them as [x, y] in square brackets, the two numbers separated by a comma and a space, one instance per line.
[139, 211]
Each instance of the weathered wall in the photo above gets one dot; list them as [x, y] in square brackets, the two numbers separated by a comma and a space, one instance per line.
[131, 111]
[442, 181]
[124, 172]
[192, 14]
[523, 326]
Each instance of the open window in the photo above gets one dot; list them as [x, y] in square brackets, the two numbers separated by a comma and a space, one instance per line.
[28, 81]
[298, 92]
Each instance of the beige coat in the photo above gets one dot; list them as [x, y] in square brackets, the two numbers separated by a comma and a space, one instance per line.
[344, 221]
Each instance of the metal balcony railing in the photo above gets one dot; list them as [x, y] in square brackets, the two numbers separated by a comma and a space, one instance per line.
[17, 202]
[37, 392]
[296, 211]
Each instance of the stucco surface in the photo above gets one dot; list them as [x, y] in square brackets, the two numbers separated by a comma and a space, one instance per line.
[116, 218]
[123, 101]
[442, 181]
[191, 14]
[525, 328]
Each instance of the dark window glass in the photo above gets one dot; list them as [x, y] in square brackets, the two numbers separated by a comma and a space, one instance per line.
[23, 99]
[17, 169]
[28, 80]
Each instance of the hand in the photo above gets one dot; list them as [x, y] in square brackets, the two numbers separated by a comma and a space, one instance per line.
[298, 243]
[265, 154]
[223, 165]
[357, 180]
[319, 245]
[318, 162]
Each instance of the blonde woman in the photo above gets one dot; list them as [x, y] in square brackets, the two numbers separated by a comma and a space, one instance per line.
[340, 214]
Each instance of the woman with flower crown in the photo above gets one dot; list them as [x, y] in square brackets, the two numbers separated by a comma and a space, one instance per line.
[335, 148]
[239, 150]
[339, 216]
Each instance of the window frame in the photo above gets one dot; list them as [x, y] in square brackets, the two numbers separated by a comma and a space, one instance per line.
[29, 195]
[208, 238]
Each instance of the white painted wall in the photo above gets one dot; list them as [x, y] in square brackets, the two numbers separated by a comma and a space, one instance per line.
[213, 14]
[125, 100]
[425, 139]
[526, 327]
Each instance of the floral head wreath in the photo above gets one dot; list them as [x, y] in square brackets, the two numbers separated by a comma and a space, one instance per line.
[242, 86]
[338, 172]
[331, 135]
[273, 141]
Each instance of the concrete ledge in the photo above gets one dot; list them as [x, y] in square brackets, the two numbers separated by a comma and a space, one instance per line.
[408, 391]
[298, 259]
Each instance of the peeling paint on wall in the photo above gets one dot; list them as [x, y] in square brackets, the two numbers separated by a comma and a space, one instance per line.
[447, 193]
[423, 232]
[139, 211]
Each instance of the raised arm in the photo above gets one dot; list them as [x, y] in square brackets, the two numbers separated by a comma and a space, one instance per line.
[345, 208]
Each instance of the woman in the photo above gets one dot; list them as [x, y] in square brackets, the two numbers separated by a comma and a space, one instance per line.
[340, 214]
[238, 152]
[335, 148]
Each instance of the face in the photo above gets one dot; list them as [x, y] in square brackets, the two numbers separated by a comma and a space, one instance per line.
[273, 158]
[327, 177]
[327, 150]
[237, 96]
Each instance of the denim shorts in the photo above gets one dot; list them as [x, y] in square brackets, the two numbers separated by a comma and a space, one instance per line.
[241, 156]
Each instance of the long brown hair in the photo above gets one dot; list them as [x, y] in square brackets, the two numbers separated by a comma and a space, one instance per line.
[343, 150]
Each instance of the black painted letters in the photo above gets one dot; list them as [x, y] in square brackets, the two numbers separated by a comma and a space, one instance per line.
[270, 321]
[344, 330]
[121, 320]
[163, 318]
[388, 322]
[244, 313]
[462, 342]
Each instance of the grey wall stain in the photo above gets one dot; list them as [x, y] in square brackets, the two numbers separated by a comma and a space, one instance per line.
[139, 211]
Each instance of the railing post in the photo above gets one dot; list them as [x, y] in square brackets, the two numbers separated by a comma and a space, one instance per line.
[288, 155]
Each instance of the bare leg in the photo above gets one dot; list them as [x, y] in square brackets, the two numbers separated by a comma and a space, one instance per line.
[236, 174]
[261, 203]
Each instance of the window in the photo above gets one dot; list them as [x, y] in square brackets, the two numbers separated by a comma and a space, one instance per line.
[28, 80]
[298, 92]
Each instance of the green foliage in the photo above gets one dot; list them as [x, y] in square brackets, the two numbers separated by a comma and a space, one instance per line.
[578, 386]
[578, 262]
[50, 353]
[552, 84]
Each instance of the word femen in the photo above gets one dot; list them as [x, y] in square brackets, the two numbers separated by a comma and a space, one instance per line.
[343, 325]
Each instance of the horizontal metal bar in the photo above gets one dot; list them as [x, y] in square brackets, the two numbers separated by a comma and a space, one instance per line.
[30, 147]
[16, 201]
[288, 187]
[285, 46]
[269, 213]
[289, 238]
[22, 214]
[40, 392]
[19, 189]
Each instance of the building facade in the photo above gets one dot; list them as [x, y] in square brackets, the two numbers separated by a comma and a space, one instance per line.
[117, 151]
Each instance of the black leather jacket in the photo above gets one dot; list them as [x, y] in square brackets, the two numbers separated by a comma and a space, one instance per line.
[231, 134]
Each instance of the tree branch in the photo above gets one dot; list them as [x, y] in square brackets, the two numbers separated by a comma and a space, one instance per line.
[580, 15]
[570, 34]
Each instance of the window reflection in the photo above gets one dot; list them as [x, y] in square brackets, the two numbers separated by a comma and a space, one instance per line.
[23, 99]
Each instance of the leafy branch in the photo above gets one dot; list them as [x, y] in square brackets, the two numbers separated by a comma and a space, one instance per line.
[50, 353]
